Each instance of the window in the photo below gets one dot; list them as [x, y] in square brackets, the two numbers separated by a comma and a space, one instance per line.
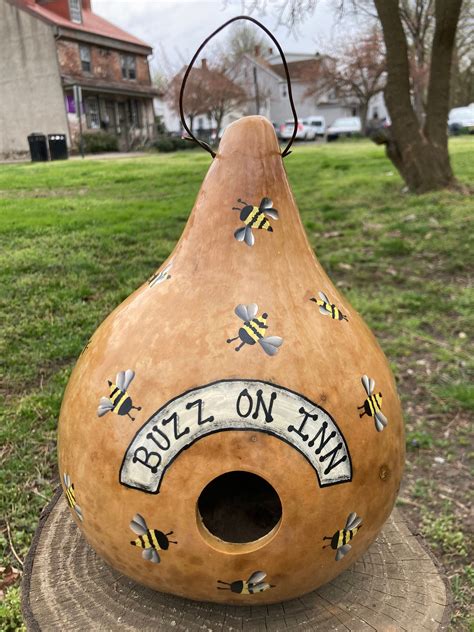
[92, 113]
[85, 53]
[129, 70]
[75, 11]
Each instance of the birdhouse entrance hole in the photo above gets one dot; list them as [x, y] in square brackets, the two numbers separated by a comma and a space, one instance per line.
[239, 507]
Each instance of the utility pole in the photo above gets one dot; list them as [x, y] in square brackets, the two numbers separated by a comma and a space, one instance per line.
[257, 96]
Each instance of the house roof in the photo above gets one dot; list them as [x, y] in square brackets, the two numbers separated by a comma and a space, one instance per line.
[302, 70]
[91, 22]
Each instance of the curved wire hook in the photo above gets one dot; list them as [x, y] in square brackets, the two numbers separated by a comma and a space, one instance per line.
[204, 145]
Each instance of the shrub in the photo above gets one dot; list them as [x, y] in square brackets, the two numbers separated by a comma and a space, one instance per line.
[169, 143]
[97, 142]
[164, 144]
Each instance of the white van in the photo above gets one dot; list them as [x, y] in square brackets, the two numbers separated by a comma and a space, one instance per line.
[318, 123]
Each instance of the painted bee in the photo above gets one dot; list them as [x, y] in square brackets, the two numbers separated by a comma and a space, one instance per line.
[71, 496]
[327, 308]
[253, 330]
[254, 217]
[150, 540]
[340, 540]
[159, 277]
[254, 584]
[373, 404]
[119, 401]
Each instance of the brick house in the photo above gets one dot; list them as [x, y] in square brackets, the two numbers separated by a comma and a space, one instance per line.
[60, 54]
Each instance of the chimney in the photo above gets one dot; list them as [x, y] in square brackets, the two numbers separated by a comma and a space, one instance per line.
[257, 51]
[204, 63]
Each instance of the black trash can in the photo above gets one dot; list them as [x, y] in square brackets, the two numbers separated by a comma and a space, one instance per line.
[58, 146]
[38, 147]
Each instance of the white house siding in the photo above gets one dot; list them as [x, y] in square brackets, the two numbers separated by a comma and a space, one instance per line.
[31, 97]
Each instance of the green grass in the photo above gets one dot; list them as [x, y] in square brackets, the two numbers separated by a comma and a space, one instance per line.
[77, 237]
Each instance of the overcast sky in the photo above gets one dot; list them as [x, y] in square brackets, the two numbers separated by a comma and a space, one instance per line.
[176, 28]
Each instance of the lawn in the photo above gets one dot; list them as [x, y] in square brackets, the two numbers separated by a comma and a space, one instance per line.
[77, 237]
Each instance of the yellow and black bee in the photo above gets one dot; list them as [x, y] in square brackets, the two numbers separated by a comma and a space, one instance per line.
[159, 277]
[71, 496]
[373, 404]
[327, 308]
[150, 540]
[254, 584]
[119, 401]
[254, 217]
[340, 540]
[253, 330]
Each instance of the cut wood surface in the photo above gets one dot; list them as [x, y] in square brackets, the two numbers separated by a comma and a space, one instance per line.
[396, 585]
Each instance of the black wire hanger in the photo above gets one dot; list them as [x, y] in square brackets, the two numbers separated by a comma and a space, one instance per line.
[204, 145]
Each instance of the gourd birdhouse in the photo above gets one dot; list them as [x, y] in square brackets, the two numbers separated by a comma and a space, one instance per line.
[232, 431]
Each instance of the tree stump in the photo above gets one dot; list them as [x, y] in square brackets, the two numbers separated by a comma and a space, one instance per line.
[397, 585]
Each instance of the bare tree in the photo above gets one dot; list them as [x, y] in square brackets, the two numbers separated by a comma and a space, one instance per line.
[417, 148]
[355, 72]
[196, 96]
[224, 94]
[209, 91]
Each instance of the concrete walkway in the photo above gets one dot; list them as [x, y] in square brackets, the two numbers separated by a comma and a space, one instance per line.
[111, 155]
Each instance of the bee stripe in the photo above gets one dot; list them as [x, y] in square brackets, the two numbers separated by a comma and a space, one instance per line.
[374, 404]
[119, 400]
[340, 540]
[252, 332]
[113, 390]
[258, 220]
[70, 496]
[265, 224]
[142, 542]
[252, 216]
[378, 399]
[154, 541]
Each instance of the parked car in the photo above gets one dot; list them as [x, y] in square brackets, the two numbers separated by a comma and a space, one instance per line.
[350, 126]
[461, 119]
[305, 130]
[319, 124]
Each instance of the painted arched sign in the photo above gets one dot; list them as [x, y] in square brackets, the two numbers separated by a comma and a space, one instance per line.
[236, 405]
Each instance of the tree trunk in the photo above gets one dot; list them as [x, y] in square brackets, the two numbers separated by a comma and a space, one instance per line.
[420, 155]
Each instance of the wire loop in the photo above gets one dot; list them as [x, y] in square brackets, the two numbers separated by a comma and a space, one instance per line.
[204, 145]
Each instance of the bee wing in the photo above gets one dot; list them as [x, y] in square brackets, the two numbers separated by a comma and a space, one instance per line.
[120, 380]
[66, 479]
[354, 521]
[270, 345]
[168, 268]
[252, 310]
[242, 312]
[324, 311]
[324, 297]
[371, 385]
[256, 578]
[380, 421]
[138, 524]
[129, 375]
[265, 203]
[343, 550]
[366, 384]
[78, 511]
[104, 406]
[271, 212]
[249, 236]
[155, 558]
[146, 554]
[260, 587]
[240, 233]
[350, 519]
